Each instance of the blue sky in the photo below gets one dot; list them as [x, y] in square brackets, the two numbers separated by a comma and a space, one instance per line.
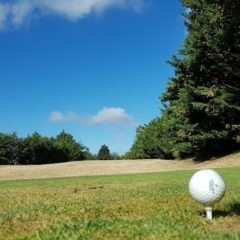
[94, 68]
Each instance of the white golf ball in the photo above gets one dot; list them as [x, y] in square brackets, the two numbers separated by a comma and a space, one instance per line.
[207, 187]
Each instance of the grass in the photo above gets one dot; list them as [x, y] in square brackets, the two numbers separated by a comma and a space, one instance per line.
[138, 206]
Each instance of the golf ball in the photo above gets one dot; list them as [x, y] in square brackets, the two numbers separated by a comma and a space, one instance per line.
[207, 187]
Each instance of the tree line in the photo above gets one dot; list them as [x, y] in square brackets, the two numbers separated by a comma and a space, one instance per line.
[201, 114]
[36, 149]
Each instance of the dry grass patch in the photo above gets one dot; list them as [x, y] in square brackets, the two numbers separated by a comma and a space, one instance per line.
[109, 167]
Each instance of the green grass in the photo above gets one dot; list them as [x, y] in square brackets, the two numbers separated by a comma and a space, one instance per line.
[139, 206]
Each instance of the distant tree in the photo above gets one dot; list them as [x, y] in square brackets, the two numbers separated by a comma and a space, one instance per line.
[104, 153]
[6, 145]
[40, 149]
[89, 156]
[116, 156]
[12, 149]
[73, 150]
[18, 150]
[150, 143]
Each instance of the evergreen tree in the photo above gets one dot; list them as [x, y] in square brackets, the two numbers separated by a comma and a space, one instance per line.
[104, 153]
[12, 149]
[204, 94]
[72, 150]
[147, 141]
[40, 149]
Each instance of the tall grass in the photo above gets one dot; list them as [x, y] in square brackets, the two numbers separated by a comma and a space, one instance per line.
[139, 206]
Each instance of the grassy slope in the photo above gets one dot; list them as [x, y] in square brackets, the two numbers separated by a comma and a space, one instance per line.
[138, 206]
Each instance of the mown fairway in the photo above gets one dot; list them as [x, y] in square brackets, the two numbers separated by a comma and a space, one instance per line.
[138, 206]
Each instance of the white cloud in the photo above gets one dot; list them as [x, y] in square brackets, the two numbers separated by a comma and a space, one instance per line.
[111, 115]
[4, 12]
[16, 12]
[60, 117]
[108, 115]
[20, 11]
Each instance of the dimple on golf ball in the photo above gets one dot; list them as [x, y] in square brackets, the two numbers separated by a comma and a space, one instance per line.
[207, 187]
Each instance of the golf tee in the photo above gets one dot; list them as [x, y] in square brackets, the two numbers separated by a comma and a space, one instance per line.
[209, 213]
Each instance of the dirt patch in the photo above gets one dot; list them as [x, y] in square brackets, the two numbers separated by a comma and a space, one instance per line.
[87, 188]
[109, 167]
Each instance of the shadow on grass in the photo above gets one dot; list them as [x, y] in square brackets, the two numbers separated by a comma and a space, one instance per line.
[233, 209]
[213, 156]
[200, 159]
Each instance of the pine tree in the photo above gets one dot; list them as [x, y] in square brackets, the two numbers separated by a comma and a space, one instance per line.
[203, 96]
[73, 151]
[104, 153]
[149, 142]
